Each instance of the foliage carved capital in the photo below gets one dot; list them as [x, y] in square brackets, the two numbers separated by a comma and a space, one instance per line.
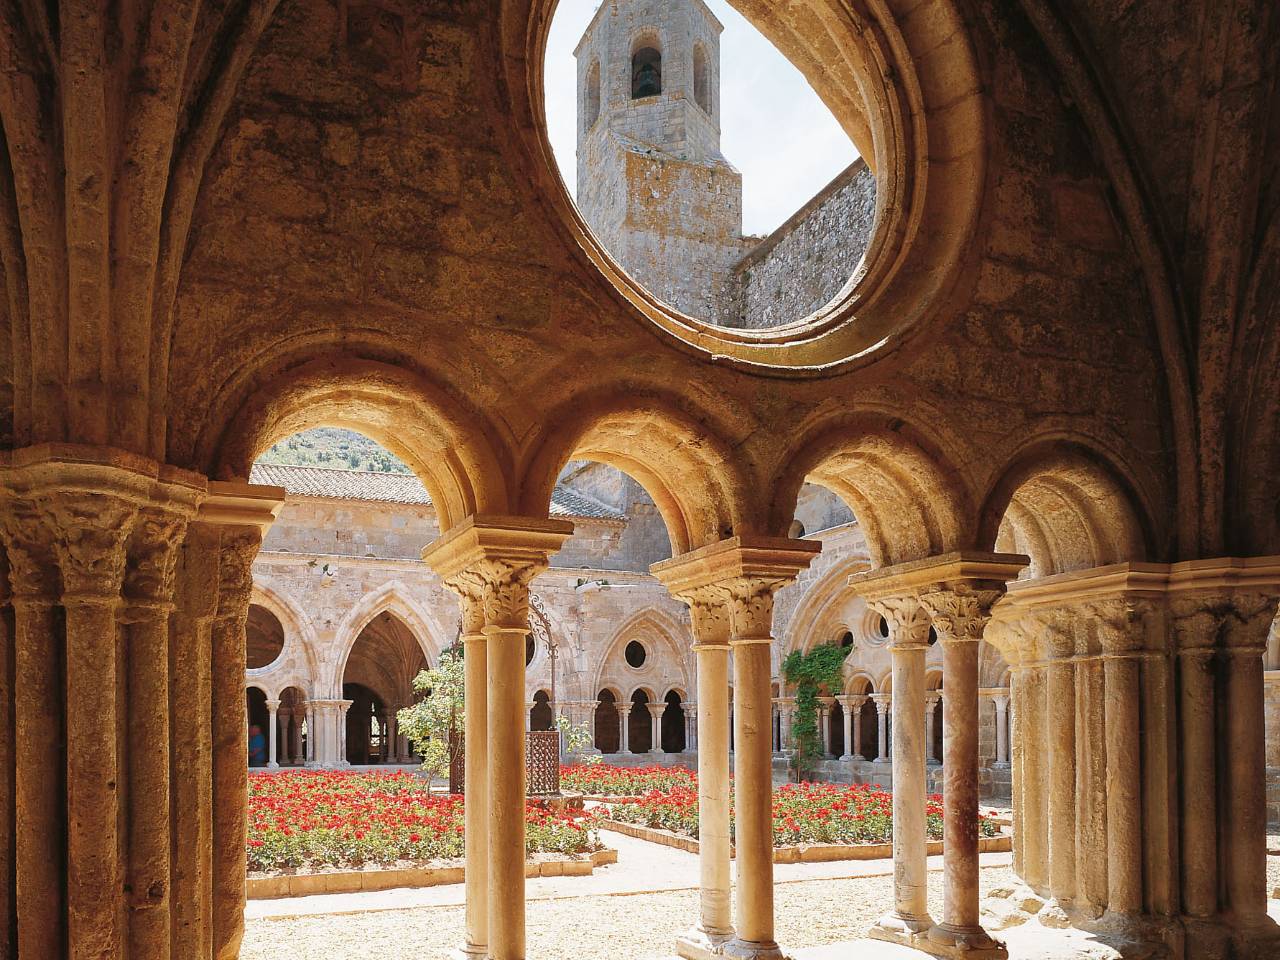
[908, 621]
[153, 550]
[236, 553]
[751, 607]
[90, 530]
[960, 613]
[469, 587]
[33, 568]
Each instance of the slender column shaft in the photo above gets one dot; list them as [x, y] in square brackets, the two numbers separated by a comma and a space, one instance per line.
[1199, 782]
[882, 731]
[624, 730]
[506, 713]
[272, 726]
[1002, 729]
[715, 921]
[192, 748]
[960, 797]
[753, 793]
[655, 729]
[850, 748]
[8, 913]
[1091, 784]
[855, 745]
[909, 849]
[1035, 801]
[929, 705]
[39, 789]
[1246, 866]
[824, 724]
[93, 777]
[1124, 829]
[1018, 751]
[476, 785]
[1061, 754]
[149, 801]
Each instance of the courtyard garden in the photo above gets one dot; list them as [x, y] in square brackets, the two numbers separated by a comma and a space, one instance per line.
[326, 818]
[802, 813]
[605, 780]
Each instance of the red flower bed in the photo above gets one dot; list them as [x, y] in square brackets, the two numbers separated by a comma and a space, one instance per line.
[604, 780]
[802, 813]
[342, 819]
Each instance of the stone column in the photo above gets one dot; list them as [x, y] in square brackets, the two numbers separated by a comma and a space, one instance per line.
[691, 727]
[1060, 752]
[624, 728]
[882, 702]
[470, 590]
[273, 708]
[655, 720]
[960, 611]
[930, 712]
[846, 709]
[1001, 702]
[710, 617]
[295, 733]
[343, 707]
[389, 726]
[502, 555]
[775, 726]
[908, 640]
[740, 575]
[824, 715]
[855, 745]
[787, 706]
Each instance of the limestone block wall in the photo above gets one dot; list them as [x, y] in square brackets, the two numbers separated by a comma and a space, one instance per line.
[1272, 719]
[804, 263]
[355, 528]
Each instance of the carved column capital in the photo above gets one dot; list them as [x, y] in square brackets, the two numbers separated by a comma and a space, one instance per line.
[153, 549]
[236, 552]
[751, 607]
[1121, 623]
[961, 611]
[505, 591]
[33, 567]
[709, 615]
[908, 621]
[90, 529]
[469, 586]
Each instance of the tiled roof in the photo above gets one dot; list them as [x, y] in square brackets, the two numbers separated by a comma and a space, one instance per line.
[397, 488]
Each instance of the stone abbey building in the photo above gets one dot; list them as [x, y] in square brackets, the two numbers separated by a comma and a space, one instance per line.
[1049, 394]
[663, 199]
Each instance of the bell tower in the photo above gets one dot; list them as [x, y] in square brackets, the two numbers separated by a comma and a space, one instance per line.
[652, 182]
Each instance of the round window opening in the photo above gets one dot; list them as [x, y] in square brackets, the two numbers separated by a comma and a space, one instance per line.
[635, 654]
[263, 636]
[847, 639]
[883, 628]
[530, 648]
[704, 162]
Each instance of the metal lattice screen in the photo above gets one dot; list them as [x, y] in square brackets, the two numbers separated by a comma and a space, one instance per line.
[542, 765]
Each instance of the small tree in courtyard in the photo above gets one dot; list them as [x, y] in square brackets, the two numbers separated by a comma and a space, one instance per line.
[434, 724]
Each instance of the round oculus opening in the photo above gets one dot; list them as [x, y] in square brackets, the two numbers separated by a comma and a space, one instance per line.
[530, 648]
[635, 654]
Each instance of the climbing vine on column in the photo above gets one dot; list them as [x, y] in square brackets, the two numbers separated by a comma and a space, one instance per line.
[809, 673]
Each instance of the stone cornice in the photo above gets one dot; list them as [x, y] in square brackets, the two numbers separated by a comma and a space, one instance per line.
[766, 558]
[1138, 581]
[514, 540]
[232, 503]
[918, 576]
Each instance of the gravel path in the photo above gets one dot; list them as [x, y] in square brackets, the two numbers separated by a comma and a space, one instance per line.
[643, 925]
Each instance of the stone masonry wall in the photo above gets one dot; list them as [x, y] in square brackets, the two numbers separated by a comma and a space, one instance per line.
[803, 264]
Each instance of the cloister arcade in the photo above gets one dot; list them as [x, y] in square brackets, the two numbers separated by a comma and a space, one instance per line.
[1049, 395]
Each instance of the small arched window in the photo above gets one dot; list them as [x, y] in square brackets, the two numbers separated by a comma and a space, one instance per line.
[701, 82]
[646, 73]
[591, 105]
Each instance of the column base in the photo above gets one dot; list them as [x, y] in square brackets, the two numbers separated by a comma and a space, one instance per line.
[973, 943]
[739, 949]
[908, 931]
[469, 951]
[698, 944]
[273, 765]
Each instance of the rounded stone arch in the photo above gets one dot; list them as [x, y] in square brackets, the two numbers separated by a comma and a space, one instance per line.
[885, 683]
[993, 671]
[649, 690]
[395, 598]
[859, 682]
[1067, 507]
[820, 614]
[299, 629]
[646, 54]
[933, 680]
[913, 96]
[686, 467]
[661, 630]
[905, 493]
[452, 449]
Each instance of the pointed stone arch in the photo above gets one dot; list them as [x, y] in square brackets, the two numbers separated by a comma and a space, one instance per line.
[395, 598]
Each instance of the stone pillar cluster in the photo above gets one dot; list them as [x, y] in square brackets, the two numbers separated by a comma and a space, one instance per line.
[729, 587]
[489, 563]
[953, 594]
[1137, 738]
[129, 586]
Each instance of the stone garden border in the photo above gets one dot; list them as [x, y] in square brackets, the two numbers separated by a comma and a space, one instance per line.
[355, 881]
[803, 853]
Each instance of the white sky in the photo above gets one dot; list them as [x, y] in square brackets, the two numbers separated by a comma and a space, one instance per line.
[773, 127]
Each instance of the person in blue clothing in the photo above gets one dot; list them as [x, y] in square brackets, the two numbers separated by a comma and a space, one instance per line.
[257, 747]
